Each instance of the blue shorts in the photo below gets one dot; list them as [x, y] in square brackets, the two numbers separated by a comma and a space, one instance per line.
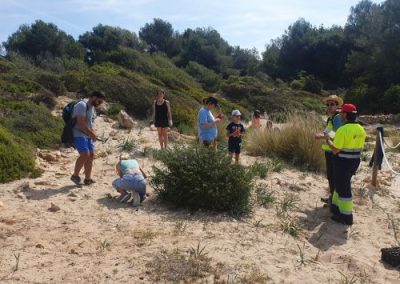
[83, 144]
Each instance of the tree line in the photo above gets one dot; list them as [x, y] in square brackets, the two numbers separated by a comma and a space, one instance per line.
[363, 57]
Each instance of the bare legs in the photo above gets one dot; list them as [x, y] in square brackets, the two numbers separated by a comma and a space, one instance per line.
[163, 137]
[85, 161]
[237, 156]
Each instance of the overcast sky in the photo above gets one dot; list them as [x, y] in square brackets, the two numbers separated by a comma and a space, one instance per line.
[251, 23]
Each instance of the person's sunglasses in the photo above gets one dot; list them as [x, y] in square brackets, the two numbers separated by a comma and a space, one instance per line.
[331, 104]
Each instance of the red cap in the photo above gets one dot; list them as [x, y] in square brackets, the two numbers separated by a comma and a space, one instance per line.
[348, 108]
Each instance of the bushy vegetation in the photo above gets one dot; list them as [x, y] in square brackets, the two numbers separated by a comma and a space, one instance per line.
[42, 62]
[361, 56]
[15, 157]
[200, 178]
[268, 95]
[32, 122]
[294, 142]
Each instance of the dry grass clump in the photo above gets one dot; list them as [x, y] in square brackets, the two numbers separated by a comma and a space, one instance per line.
[294, 142]
[178, 266]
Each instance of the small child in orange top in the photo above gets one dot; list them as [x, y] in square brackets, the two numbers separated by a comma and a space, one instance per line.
[234, 131]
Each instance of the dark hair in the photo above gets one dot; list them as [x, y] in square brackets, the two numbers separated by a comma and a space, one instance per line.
[98, 94]
[160, 91]
[257, 113]
[351, 116]
[212, 101]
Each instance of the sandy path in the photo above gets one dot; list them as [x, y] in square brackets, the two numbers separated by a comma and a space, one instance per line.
[95, 240]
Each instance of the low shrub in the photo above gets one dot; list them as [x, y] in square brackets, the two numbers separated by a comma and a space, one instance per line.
[294, 142]
[200, 178]
[312, 84]
[32, 122]
[264, 198]
[296, 85]
[15, 159]
[52, 83]
[45, 97]
[206, 77]
[259, 169]
[114, 110]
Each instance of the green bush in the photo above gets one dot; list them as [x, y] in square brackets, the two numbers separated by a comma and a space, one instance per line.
[206, 77]
[312, 84]
[73, 81]
[45, 97]
[34, 123]
[200, 178]
[114, 109]
[296, 85]
[52, 83]
[15, 159]
[259, 169]
[391, 99]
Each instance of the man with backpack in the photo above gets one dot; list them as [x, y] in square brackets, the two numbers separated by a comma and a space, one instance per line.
[83, 115]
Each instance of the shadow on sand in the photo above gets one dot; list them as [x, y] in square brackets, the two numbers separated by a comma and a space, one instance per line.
[169, 213]
[329, 233]
[48, 192]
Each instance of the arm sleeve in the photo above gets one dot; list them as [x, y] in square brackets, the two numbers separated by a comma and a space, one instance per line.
[202, 118]
[80, 109]
[337, 122]
[242, 130]
[228, 127]
[338, 142]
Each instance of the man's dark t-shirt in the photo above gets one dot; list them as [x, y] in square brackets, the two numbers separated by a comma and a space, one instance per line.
[232, 127]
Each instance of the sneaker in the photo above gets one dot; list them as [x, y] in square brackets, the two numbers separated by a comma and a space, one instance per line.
[76, 180]
[88, 181]
[338, 219]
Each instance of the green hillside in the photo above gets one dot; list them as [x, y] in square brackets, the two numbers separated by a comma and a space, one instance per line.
[40, 62]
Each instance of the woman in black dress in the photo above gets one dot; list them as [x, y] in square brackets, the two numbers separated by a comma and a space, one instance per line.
[162, 118]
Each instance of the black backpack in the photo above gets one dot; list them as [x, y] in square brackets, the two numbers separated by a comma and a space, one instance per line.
[67, 136]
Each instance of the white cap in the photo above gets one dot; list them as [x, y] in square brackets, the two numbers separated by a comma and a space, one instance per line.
[236, 112]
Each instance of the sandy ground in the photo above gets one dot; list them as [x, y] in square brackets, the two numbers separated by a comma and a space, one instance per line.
[93, 239]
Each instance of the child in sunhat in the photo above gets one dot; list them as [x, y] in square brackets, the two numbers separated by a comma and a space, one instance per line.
[234, 131]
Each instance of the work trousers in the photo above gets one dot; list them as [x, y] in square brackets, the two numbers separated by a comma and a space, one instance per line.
[342, 200]
[330, 170]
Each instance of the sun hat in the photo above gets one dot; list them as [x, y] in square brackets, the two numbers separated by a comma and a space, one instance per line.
[348, 108]
[333, 98]
[236, 112]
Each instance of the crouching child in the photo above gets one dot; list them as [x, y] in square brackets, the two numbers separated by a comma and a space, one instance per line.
[131, 183]
[234, 131]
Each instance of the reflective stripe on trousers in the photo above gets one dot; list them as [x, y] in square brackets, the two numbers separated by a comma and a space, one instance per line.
[342, 197]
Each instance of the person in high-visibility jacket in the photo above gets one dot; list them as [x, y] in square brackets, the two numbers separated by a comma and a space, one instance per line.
[347, 145]
[333, 122]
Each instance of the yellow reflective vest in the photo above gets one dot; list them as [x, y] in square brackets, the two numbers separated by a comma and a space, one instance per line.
[330, 131]
[350, 139]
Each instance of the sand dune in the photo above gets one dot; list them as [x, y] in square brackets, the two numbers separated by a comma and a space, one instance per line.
[92, 239]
